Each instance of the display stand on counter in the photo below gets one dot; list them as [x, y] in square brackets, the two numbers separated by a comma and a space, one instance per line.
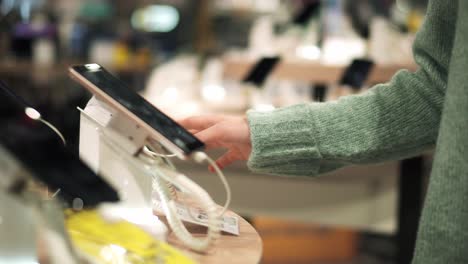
[135, 186]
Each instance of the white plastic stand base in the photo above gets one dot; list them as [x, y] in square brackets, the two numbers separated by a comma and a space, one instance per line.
[134, 187]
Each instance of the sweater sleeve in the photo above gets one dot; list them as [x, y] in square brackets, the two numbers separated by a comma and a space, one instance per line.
[390, 121]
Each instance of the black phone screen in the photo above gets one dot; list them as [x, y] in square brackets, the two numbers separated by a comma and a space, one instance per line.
[305, 13]
[260, 71]
[141, 108]
[357, 73]
[42, 152]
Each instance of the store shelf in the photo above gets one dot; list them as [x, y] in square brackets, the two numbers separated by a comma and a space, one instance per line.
[305, 71]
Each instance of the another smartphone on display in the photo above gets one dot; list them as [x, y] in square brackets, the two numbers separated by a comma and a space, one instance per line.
[261, 70]
[113, 91]
[356, 74]
[43, 153]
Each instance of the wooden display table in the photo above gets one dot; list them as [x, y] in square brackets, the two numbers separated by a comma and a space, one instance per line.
[305, 71]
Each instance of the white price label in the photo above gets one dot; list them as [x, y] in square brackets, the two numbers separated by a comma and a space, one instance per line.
[229, 224]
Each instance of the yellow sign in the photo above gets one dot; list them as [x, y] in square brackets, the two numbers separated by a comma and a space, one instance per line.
[118, 242]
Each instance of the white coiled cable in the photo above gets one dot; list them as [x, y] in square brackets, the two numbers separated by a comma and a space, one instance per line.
[166, 191]
[199, 157]
[154, 155]
[169, 208]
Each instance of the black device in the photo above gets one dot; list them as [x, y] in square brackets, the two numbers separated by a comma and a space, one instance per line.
[109, 88]
[319, 92]
[356, 74]
[42, 152]
[260, 71]
[303, 16]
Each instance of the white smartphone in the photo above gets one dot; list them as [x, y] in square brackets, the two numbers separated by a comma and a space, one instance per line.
[113, 91]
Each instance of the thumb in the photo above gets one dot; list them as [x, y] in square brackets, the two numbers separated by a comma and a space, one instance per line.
[211, 136]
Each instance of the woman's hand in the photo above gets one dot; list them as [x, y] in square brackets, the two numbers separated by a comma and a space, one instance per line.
[217, 131]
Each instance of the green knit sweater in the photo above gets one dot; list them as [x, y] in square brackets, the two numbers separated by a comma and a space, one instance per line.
[412, 113]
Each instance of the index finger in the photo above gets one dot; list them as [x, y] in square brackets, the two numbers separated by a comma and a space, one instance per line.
[199, 122]
[213, 137]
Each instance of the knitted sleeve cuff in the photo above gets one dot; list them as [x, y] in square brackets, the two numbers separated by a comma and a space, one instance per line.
[283, 142]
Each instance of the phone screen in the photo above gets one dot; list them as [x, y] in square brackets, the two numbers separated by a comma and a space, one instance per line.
[141, 108]
[42, 152]
[357, 73]
[260, 71]
[305, 13]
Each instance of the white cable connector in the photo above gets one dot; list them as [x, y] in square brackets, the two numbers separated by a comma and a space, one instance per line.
[35, 115]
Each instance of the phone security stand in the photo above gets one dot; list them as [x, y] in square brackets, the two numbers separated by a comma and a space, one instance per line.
[100, 152]
[115, 147]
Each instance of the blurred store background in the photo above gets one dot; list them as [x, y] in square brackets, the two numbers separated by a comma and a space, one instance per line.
[193, 56]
